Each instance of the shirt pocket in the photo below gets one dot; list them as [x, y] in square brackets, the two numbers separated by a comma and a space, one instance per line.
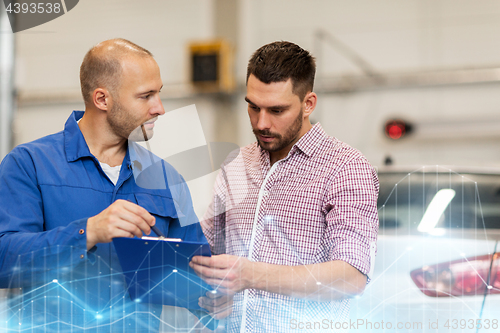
[157, 205]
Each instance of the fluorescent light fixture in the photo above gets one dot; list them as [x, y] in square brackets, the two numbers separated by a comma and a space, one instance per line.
[435, 209]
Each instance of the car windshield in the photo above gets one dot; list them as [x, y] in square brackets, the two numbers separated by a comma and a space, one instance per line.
[459, 201]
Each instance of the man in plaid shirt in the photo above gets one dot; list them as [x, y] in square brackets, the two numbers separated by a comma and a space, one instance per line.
[293, 223]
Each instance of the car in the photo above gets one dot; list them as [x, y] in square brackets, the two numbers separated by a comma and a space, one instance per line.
[437, 267]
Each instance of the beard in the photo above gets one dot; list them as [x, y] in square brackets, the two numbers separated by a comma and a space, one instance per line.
[123, 124]
[282, 141]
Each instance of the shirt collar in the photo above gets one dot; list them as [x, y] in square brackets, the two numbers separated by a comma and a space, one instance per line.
[311, 141]
[74, 142]
[307, 144]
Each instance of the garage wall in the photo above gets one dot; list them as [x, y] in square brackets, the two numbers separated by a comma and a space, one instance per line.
[390, 34]
[393, 36]
[49, 56]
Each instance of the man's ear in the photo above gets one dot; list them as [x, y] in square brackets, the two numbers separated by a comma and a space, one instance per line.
[102, 99]
[309, 103]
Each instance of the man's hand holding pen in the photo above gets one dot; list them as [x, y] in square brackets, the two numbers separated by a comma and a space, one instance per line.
[121, 219]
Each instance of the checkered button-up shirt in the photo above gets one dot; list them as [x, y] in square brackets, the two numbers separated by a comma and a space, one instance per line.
[316, 205]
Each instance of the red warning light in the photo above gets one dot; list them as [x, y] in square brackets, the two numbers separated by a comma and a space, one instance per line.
[396, 129]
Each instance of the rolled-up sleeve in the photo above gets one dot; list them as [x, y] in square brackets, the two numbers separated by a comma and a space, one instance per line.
[352, 218]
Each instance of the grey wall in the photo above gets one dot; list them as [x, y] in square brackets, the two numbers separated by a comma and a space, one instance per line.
[392, 36]
[395, 37]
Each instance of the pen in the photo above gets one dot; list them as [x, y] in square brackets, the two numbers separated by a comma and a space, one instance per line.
[157, 231]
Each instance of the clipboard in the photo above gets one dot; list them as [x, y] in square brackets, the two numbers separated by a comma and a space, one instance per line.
[157, 270]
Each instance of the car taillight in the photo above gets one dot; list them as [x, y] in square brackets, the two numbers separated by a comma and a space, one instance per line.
[463, 277]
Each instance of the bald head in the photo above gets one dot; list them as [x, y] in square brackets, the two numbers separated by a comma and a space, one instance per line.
[102, 65]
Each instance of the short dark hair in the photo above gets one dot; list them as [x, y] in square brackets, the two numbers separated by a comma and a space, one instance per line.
[280, 61]
[102, 68]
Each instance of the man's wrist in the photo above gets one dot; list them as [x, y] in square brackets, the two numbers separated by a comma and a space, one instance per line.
[257, 279]
[91, 242]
